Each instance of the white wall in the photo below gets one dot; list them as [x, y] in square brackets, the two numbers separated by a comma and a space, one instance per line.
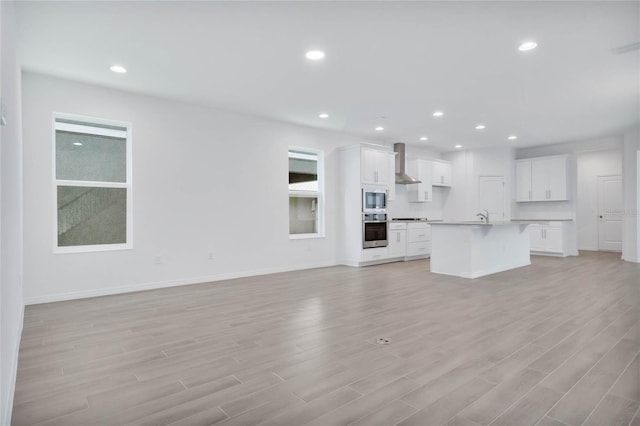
[204, 181]
[590, 166]
[468, 167]
[11, 299]
[631, 191]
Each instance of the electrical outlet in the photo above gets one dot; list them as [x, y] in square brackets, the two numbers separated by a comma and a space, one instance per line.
[157, 259]
[210, 257]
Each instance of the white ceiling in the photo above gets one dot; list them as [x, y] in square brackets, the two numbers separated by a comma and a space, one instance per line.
[398, 60]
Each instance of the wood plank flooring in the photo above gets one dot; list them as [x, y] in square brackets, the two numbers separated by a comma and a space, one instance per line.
[554, 343]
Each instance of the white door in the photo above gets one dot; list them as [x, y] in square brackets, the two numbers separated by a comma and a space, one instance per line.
[491, 196]
[610, 213]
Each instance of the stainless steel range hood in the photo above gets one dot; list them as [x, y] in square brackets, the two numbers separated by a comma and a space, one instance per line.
[401, 176]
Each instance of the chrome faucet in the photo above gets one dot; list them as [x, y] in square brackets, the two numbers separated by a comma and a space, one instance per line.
[484, 215]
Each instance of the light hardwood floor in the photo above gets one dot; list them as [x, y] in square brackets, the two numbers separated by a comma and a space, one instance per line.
[554, 343]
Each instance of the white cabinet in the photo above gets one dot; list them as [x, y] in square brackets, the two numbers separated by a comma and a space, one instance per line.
[418, 239]
[542, 179]
[551, 238]
[397, 239]
[374, 166]
[391, 194]
[420, 192]
[523, 180]
[373, 254]
[441, 173]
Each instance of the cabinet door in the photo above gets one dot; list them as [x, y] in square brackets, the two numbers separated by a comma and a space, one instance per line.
[397, 243]
[420, 192]
[382, 167]
[391, 194]
[540, 179]
[553, 239]
[523, 180]
[374, 166]
[537, 242]
[557, 179]
[441, 173]
[368, 165]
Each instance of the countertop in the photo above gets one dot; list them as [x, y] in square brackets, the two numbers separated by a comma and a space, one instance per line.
[491, 223]
[416, 220]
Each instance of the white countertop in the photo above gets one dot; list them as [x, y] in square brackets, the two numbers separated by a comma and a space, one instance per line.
[502, 222]
[491, 223]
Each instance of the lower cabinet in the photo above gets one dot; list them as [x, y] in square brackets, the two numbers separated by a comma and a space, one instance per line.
[372, 254]
[418, 239]
[397, 237]
[551, 239]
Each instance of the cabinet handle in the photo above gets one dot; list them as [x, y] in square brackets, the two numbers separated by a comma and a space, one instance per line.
[529, 195]
[398, 237]
[441, 179]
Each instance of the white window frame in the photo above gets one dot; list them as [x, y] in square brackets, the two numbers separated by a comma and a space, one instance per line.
[318, 155]
[101, 131]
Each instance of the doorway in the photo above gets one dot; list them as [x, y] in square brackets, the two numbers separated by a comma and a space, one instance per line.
[491, 196]
[610, 210]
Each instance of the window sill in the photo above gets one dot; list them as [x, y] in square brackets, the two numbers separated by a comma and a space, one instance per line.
[92, 248]
[305, 236]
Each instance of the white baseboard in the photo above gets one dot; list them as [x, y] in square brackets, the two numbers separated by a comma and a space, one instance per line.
[7, 410]
[59, 297]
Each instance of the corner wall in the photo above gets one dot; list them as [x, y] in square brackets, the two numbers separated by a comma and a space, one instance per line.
[631, 188]
[204, 182]
[11, 298]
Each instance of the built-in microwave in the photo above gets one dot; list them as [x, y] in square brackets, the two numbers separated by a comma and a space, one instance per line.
[374, 230]
[374, 200]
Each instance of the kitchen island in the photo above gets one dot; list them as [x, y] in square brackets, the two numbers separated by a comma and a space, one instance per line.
[476, 249]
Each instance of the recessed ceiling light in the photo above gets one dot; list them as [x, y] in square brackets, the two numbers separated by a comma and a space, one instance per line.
[458, 146]
[480, 127]
[379, 129]
[438, 114]
[512, 137]
[323, 115]
[528, 45]
[77, 143]
[423, 138]
[315, 55]
[119, 69]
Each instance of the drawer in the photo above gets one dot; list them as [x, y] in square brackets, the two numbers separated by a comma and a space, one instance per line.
[418, 225]
[419, 248]
[420, 234]
[375, 254]
[394, 226]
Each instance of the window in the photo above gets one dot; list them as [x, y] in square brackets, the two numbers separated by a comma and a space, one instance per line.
[306, 185]
[92, 176]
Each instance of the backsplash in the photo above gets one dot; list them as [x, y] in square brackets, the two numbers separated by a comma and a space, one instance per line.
[401, 207]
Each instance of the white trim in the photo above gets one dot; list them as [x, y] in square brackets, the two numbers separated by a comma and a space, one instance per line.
[171, 283]
[92, 184]
[90, 130]
[7, 410]
[305, 236]
[126, 134]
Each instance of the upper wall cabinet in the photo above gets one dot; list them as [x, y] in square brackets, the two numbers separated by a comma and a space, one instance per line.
[374, 166]
[442, 174]
[542, 179]
[422, 170]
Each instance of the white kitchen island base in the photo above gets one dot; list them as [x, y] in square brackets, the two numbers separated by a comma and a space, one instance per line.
[472, 249]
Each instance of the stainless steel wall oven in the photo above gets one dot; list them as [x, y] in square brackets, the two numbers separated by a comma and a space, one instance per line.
[374, 230]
